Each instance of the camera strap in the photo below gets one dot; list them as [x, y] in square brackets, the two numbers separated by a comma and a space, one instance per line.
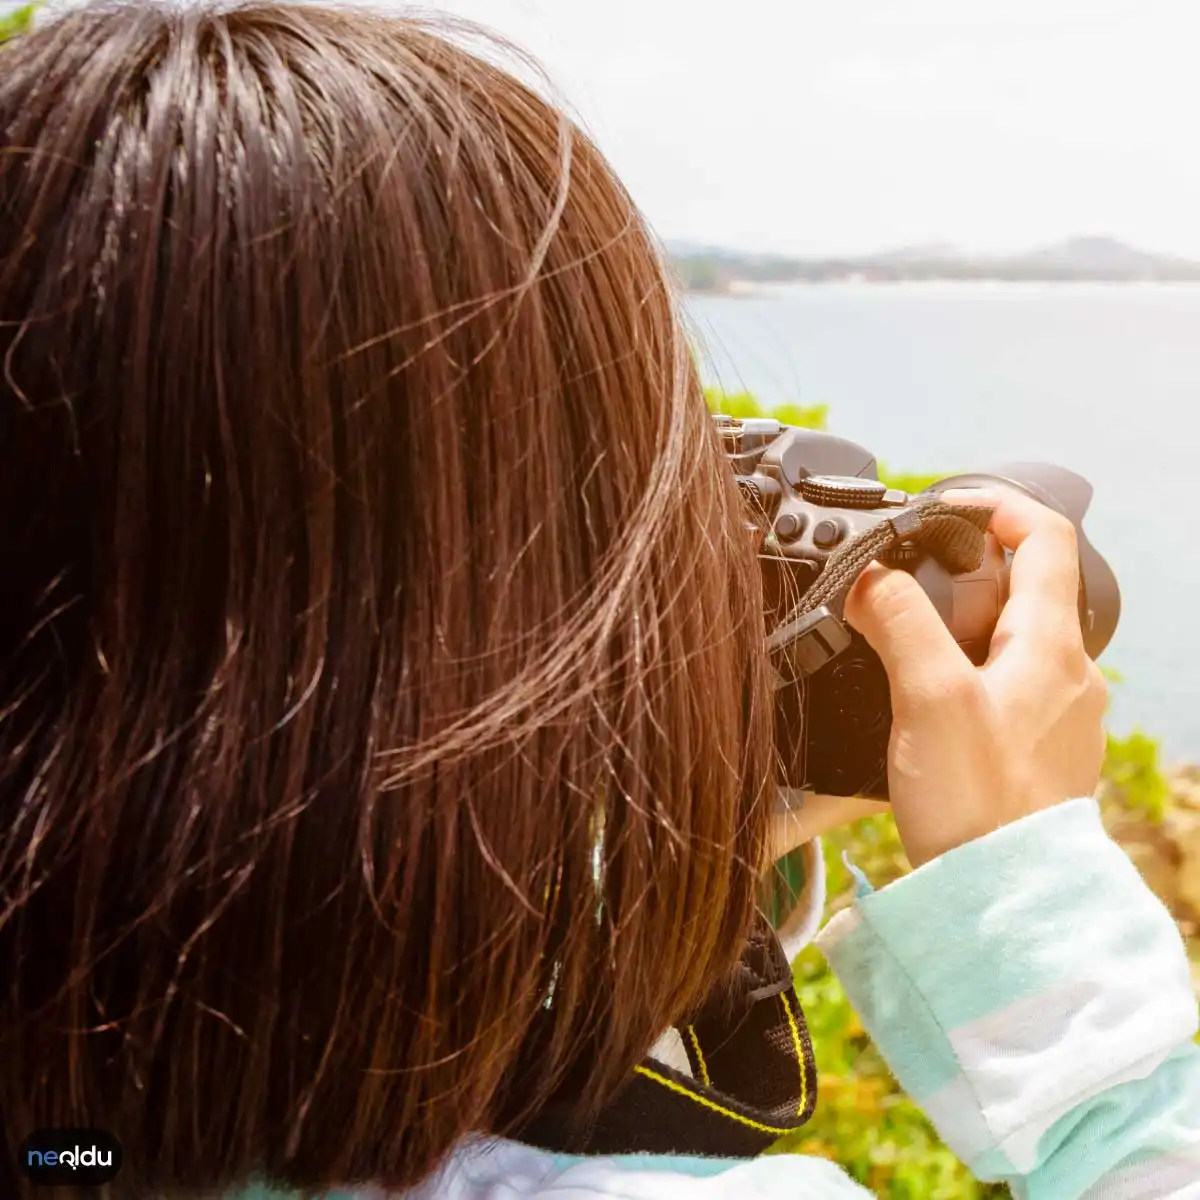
[752, 1081]
[813, 632]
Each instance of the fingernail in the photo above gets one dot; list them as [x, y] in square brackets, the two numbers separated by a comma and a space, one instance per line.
[970, 496]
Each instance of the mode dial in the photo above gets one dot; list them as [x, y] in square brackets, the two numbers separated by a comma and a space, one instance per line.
[843, 491]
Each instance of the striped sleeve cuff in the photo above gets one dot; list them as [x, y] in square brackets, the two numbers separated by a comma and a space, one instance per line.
[1033, 995]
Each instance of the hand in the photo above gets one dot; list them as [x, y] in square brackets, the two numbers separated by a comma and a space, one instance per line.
[971, 748]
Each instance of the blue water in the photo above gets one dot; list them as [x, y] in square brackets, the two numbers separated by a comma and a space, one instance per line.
[1102, 379]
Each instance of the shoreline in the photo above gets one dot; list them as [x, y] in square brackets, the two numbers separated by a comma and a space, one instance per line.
[751, 289]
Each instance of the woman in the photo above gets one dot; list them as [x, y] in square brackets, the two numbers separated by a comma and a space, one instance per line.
[386, 729]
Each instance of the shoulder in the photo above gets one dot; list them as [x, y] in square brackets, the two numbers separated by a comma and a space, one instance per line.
[489, 1169]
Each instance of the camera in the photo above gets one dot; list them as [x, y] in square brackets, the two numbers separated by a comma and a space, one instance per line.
[808, 493]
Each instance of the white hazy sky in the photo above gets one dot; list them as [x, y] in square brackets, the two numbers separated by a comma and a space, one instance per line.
[827, 126]
[847, 125]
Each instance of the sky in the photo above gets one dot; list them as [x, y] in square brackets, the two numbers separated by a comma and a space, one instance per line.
[850, 126]
[841, 126]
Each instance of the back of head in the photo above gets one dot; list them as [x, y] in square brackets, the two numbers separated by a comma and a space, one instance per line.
[381, 705]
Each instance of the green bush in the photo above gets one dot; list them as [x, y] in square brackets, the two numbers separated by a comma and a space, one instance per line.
[1132, 768]
[16, 21]
[743, 405]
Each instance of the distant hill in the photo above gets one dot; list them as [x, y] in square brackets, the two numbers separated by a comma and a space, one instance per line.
[1082, 259]
[931, 252]
[1105, 254]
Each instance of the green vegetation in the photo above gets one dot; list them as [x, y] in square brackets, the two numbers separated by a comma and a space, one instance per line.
[1133, 774]
[743, 405]
[16, 21]
[863, 1120]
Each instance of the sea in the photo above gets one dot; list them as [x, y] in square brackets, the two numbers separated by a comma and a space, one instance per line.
[1101, 378]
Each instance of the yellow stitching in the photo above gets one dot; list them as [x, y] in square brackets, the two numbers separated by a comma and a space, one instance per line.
[699, 1057]
[725, 1112]
[787, 1008]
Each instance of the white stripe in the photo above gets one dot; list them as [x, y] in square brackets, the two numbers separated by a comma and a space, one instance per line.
[841, 925]
[954, 1110]
[669, 1050]
[1022, 1147]
[1033, 1062]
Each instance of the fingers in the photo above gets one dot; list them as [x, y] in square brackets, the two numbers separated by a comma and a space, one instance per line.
[890, 609]
[1046, 557]
[900, 623]
[1046, 551]
[1043, 603]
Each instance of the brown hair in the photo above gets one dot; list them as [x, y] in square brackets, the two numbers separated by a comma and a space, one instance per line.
[383, 734]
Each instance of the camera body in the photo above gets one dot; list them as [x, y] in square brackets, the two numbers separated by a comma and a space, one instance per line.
[808, 493]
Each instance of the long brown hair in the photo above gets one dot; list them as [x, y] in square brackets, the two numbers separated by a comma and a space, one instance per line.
[383, 738]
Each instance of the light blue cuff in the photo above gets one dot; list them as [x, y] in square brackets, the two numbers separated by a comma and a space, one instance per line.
[1007, 915]
[1015, 979]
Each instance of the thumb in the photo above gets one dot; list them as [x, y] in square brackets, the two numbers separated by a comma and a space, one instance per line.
[890, 609]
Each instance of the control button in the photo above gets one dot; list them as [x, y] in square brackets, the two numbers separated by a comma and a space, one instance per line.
[843, 491]
[759, 491]
[789, 526]
[827, 533]
[902, 555]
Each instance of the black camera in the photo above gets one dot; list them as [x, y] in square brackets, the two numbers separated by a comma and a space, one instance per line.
[809, 493]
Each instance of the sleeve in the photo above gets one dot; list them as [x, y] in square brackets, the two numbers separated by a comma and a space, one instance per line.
[1035, 997]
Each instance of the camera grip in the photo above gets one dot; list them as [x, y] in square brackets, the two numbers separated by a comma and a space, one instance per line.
[832, 729]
